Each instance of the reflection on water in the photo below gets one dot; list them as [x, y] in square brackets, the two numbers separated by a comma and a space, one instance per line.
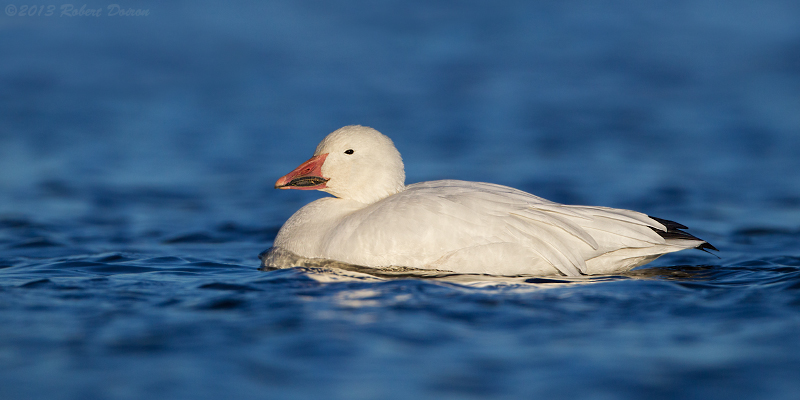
[329, 270]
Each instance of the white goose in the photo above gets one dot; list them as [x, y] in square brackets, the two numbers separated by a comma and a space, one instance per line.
[374, 220]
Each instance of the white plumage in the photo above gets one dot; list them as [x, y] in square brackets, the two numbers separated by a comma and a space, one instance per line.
[466, 227]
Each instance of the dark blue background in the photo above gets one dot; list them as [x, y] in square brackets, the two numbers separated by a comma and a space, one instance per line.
[138, 154]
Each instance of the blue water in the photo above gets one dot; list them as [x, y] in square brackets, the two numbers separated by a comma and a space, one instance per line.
[138, 155]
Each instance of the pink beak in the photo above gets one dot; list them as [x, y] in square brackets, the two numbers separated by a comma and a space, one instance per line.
[308, 176]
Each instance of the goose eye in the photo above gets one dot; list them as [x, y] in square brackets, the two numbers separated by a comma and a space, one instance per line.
[349, 151]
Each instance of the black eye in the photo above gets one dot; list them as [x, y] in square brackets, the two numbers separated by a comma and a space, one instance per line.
[349, 151]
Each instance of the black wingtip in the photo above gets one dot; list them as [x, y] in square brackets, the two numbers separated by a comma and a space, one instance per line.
[674, 232]
[706, 246]
[671, 225]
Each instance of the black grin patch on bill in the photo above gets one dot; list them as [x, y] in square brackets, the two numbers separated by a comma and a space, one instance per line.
[305, 181]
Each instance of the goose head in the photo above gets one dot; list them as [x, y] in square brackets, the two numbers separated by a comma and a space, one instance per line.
[355, 163]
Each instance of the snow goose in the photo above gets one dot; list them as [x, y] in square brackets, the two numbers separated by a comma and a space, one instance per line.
[374, 220]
